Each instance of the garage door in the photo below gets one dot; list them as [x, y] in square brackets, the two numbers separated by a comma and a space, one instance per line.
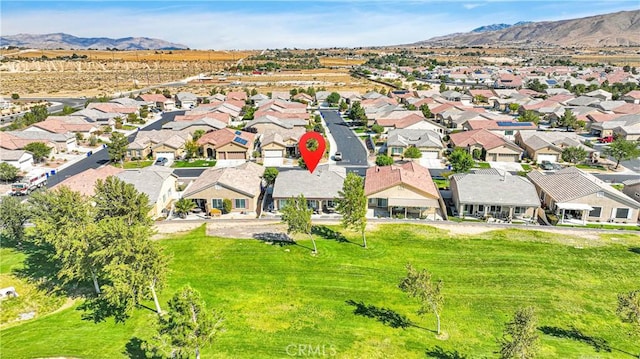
[429, 154]
[502, 157]
[235, 155]
[272, 153]
[169, 155]
[550, 158]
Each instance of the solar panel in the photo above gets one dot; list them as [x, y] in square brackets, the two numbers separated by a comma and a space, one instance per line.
[238, 133]
[240, 140]
[513, 124]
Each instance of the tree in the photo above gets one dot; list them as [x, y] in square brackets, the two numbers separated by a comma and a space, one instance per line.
[39, 150]
[184, 206]
[270, 174]
[197, 134]
[8, 172]
[419, 285]
[461, 160]
[302, 164]
[568, 120]
[426, 111]
[352, 204]
[226, 206]
[520, 340]
[357, 113]
[443, 87]
[144, 111]
[621, 149]
[343, 106]
[132, 117]
[513, 107]
[537, 86]
[297, 215]
[13, 216]
[384, 160]
[15, 96]
[412, 152]
[333, 98]
[188, 326]
[67, 110]
[117, 147]
[191, 148]
[529, 116]
[629, 308]
[574, 154]
[114, 198]
[377, 128]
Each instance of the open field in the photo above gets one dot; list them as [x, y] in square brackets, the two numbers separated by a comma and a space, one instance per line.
[141, 55]
[344, 299]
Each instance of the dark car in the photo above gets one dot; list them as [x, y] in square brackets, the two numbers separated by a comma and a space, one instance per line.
[161, 161]
[546, 165]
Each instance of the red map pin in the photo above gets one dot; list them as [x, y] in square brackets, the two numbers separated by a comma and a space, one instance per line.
[311, 158]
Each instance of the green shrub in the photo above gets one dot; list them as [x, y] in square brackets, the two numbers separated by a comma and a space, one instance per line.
[226, 206]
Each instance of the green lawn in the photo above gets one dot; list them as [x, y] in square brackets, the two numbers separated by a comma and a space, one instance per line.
[137, 164]
[604, 226]
[277, 297]
[441, 183]
[591, 167]
[483, 165]
[194, 163]
[526, 167]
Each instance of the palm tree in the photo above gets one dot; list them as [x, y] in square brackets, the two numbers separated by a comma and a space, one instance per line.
[184, 206]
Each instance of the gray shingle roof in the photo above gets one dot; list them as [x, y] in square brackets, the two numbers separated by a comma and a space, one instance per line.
[507, 190]
[418, 138]
[325, 182]
[147, 180]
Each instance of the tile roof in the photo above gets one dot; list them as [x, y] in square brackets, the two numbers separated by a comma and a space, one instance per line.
[418, 138]
[505, 189]
[148, 180]
[12, 155]
[410, 173]
[85, 181]
[325, 182]
[246, 179]
[225, 136]
[572, 183]
[501, 125]
[485, 138]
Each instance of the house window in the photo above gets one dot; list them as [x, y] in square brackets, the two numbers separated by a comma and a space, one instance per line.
[481, 208]
[240, 203]
[282, 203]
[622, 212]
[216, 203]
[331, 204]
[495, 209]
[508, 133]
[382, 202]
[596, 212]
[396, 150]
[519, 210]
[468, 208]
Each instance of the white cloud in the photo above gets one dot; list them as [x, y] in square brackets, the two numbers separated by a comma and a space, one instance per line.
[350, 26]
[471, 6]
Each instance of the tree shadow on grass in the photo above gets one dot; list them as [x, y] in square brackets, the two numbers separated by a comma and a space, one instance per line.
[598, 344]
[98, 310]
[41, 268]
[279, 239]
[328, 233]
[635, 250]
[439, 353]
[137, 348]
[386, 316]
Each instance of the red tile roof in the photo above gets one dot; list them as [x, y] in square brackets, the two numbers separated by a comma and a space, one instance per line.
[485, 138]
[224, 136]
[85, 181]
[411, 174]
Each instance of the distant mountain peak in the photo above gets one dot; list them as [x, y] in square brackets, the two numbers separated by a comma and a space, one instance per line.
[496, 27]
[61, 40]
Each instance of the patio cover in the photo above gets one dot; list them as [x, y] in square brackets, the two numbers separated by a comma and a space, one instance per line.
[411, 202]
[574, 206]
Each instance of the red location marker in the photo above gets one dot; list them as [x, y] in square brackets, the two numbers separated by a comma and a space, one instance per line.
[311, 158]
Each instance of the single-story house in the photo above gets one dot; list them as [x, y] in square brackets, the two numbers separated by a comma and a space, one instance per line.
[548, 146]
[498, 195]
[186, 100]
[632, 189]
[157, 182]
[632, 97]
[85, 181]
[492, 147]
[577, 197]
[506, 129]
[320, 188]
[403, 190]
[159, 101]
[227, 144]
[21, 159]
[60, 142]
[65, 124]
[241, 185]
[158, 143]
[627, 127]
[428, 142]
[205, 124]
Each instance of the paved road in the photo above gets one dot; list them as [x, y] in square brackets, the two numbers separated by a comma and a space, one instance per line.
[353, 153]
[101, 157]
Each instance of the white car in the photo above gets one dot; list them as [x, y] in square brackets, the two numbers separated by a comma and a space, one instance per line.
[338, 156]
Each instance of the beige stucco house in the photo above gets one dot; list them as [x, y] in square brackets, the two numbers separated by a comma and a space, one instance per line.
[157, 182]
[492, 147]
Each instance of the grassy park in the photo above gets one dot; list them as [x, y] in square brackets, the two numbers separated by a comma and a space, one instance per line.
[347, 298]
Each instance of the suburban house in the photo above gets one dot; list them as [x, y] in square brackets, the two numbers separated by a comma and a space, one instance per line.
[494, 194]
[491, 147]
[158, 143]
[186, 100]
[241, 185]
[632, 189]
[403, 118]
[548, 146]
[21, 159]
[286, 108]
[205, 124]
[85, 181]
[506, 129]
[403, 190]
[199, 114]
[320, 188]
[237, 96]
[64, 124]
[60, 142]
[632, 97]
[227, 144]
[626, 127]
[428, 142]
[289, 130]
[577, 197]
[157, 182]
[303, 98]
[273, 145]
[159, 101]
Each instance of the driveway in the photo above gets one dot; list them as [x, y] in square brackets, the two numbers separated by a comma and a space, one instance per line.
[353, 151]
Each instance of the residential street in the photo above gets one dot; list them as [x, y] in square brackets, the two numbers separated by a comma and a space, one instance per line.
[101, 157]
[354, 155]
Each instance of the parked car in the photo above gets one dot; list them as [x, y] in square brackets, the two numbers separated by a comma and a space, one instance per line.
[161, 161]
[546, 165]
[338, 156]
[605, 139]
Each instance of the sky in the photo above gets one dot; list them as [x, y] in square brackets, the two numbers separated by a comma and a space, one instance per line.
[229, 25]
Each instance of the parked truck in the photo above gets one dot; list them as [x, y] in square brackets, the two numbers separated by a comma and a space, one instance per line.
[31, 181]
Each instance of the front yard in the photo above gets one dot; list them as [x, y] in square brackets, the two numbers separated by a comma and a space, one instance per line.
[194, 163]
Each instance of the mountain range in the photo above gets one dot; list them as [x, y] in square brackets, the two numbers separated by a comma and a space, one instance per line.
[66, 41]
[615, 29]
